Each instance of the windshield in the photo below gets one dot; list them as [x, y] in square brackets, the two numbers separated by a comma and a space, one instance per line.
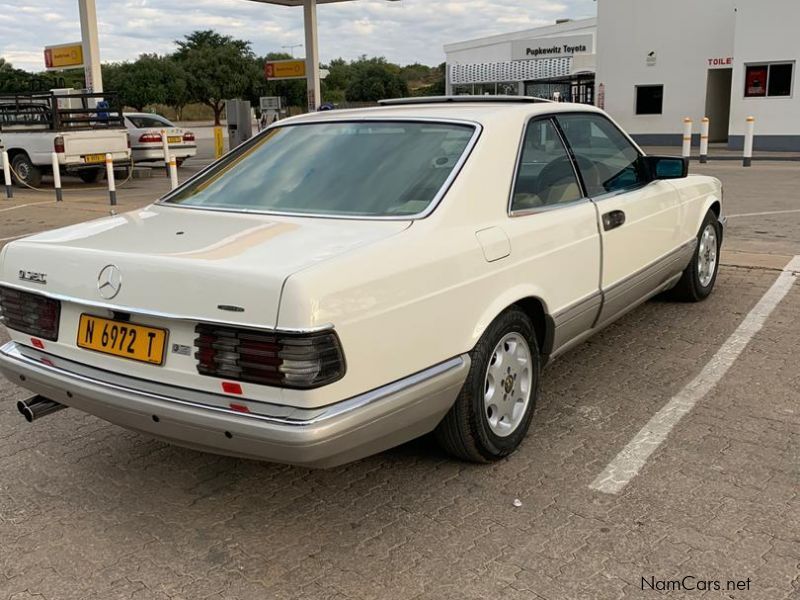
[366, 169]
[145, 121]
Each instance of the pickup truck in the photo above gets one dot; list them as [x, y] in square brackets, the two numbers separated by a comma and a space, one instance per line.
[81, 128]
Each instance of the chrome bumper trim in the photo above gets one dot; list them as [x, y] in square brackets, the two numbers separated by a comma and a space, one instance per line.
[277, 413]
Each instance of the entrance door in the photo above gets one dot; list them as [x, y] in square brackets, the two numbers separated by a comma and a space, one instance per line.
[718, 103]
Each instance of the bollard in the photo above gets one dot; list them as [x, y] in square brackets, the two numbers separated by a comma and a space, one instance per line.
[704, 127]
[219, 142]
[748, 142]
[57, 177]
[165, 146]
[112, 188]
[687, 138]
[173, 173]
[7, 175]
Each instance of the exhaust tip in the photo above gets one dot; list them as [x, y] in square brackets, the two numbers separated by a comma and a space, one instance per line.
[25, 411]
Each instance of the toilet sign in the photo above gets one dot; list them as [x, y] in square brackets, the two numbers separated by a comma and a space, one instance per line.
[720, 62]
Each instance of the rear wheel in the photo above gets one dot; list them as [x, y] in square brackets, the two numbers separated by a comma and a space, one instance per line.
[25, 172]
[700, 275]
[179, 162]
[494, 408]
[90, 175]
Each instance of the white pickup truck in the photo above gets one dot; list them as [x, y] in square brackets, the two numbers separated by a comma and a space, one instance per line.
[81, 128]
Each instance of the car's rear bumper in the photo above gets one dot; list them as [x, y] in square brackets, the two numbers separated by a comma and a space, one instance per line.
[322, 437]
[145, 153]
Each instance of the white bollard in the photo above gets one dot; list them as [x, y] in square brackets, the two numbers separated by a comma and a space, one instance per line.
[7, 175]
[687, 138]
[748, 142]
[704, 127]
[173, 173]
[165, 146]
[112, 187]
[57, 177]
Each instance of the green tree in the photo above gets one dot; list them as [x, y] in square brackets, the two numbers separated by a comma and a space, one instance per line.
[151, 79]
[217, 68]
[373, 79]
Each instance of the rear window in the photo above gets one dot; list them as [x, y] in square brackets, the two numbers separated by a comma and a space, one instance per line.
[358, 169]
[145, 121]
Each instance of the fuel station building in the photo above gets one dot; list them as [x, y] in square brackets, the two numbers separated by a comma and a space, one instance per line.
[652, 63]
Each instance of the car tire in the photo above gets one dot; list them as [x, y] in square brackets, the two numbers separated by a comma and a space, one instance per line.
[90, 175]
[25, 172]
[494, 409]
[179, 162]
[700, 274]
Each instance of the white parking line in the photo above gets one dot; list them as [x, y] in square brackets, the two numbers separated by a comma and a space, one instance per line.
[28, 204]
[765, 214]
[627, 464]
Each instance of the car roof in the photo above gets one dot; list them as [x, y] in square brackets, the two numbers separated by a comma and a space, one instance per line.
[479, 111]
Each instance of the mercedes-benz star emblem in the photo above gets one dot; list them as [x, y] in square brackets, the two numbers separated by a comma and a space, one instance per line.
[109, 282]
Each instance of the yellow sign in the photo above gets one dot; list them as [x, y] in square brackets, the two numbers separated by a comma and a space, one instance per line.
[219, 142]
[63, 56]
[285, 69]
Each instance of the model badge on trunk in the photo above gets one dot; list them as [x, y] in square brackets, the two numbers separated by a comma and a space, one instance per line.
[33, 277]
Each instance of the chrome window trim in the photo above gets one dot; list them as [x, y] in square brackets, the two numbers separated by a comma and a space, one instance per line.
[520, 149]
[166, 315]
[434, 203]
[292, 416]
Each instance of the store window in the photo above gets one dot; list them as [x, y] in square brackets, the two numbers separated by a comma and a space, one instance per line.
[649, 99]
[768, 80]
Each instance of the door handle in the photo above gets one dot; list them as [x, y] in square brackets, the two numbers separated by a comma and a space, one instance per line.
[613, 219]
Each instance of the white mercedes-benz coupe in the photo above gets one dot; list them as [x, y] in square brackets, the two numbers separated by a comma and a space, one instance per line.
[347, 281]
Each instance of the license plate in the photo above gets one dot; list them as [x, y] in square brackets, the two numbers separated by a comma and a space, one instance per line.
[174, 139]
[94, 158]
[120, 338]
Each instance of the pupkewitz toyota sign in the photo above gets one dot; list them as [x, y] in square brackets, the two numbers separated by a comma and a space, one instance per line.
[557, 47]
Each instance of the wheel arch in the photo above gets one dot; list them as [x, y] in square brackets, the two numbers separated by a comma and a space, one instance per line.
[535, 307]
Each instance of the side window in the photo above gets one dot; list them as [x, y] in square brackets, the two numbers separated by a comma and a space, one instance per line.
[545, 176]
[606, 159]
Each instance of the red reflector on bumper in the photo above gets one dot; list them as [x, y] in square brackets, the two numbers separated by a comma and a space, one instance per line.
[231, 388]
[239, 407]
[37, 343]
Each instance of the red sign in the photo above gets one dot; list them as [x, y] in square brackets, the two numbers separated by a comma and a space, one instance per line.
[755, 81]
[721, 62]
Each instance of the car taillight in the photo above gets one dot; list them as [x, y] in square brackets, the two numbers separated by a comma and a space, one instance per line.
[290, 360]
[150, 137]
[188, 136]
[30, 313]
[58, 144]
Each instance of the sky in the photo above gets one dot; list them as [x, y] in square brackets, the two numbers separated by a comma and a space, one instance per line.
[405, 32]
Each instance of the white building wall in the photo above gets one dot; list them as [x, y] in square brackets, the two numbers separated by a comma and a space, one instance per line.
[766, 31]
[684, 34]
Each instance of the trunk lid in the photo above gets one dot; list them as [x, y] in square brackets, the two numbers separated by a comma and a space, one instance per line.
[187, 263]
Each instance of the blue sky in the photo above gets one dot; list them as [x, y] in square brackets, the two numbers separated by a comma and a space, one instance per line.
[405, 32]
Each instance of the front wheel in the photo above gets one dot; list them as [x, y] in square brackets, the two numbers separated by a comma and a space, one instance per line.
[493, 411]
[700, 275]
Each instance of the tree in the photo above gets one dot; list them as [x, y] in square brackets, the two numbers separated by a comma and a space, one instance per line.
[148, 80]
[373, 79]
[5, 65]
[216, 68]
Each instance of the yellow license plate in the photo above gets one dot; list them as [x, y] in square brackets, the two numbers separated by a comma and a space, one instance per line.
[137, 342]
[174, 139]
[94, 158]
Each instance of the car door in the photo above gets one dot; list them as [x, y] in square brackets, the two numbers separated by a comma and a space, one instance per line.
[553, 231]
[639, 219]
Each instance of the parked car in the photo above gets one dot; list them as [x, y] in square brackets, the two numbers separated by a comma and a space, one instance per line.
[347, 281]
[74, 126]
[145, 135]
